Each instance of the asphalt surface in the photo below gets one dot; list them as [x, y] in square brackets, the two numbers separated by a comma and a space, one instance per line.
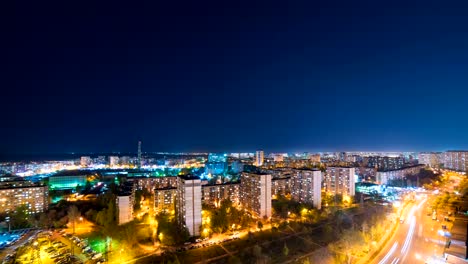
[416, 239]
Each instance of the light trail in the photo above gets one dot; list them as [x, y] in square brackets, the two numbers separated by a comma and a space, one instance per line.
[409, 237]
[390, 252]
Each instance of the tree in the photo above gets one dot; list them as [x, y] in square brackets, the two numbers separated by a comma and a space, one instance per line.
[73, 215]
[20, 217]
[259, 225]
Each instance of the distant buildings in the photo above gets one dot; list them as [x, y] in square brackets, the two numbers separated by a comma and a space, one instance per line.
[217, 157]
[188, 203]
[216, 168]
[315, 158]
[85, 161]
[139, 160]
[384, 163]
[383, 177]
[340, 180]
[259, 158]
[278, 158]
[13, 194]
[255, 193]
[431, 159]
[113, 161]
[456, 160]
[217, 164]
[306, 187]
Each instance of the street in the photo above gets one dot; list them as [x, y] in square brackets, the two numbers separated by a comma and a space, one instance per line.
[416, 239]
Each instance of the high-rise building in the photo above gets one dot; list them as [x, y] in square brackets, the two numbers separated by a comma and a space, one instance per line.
[259, 158]
[17, 193]
[340, 180]
[306, 187]
[280, 186]
[255, 193]
[164, 199]
[85, 161]
[139, 155]
[431, 159]
[124, 204]
[113, 161]
[188, 203]
[456, 160]
[214, 194]
[384, 163]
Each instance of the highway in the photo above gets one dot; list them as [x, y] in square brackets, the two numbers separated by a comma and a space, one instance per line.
[415, 240]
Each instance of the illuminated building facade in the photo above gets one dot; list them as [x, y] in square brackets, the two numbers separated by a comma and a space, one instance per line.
[383, 177]
[164, 199]
[214, 194]
[67, 181]
[278, 158]
[306, 187]
[188, 203]
[15, 194]
[384, 163]
[153, 183]
[259, 158]
[280, 186]
[216, 168]
[255, 193]
[456, 160]
[217, 157]
[124, 203]
[340, 180]
[431, 159]
[113, 161]
[85, 161]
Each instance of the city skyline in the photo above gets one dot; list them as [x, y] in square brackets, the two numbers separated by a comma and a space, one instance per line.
[307, 76]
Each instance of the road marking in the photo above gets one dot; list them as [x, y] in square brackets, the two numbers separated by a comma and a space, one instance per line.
[390, 252]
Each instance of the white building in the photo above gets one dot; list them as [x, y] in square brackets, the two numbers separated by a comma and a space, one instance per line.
[306, 187]
[189, 203]
[85, 161]
[431, 159]
[113, 161]
[125, 208]
[278, 157]
[456, 160]
[259, 158]
[255, 194]
[340, 180]
[382, 177]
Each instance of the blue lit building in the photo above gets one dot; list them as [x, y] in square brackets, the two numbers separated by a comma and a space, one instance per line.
[217, 157]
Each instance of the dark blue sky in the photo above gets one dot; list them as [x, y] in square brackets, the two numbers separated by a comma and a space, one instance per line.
[219, 76]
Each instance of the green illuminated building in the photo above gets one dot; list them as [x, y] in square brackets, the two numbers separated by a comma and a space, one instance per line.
[66, 182]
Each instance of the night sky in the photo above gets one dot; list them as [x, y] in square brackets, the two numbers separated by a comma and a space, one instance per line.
[233, 76]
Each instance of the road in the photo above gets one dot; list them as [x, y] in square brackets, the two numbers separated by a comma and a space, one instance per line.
[416, 239]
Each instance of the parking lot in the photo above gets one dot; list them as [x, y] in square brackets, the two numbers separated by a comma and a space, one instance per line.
[53, 247]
